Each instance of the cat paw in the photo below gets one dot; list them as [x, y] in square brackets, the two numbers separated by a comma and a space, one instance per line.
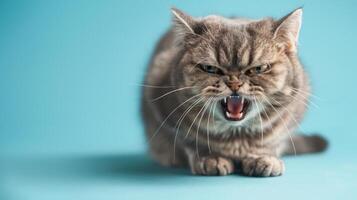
[213, 166]
[264, 166]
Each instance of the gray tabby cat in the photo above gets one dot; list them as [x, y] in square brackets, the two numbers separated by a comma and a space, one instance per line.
[225, 95]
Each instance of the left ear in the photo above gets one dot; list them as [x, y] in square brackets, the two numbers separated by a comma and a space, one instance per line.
[288, 29]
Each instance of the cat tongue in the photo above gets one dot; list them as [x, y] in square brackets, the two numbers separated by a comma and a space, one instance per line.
[235, 104]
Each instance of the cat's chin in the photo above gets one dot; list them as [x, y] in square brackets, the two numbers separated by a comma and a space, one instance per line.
[235, 107]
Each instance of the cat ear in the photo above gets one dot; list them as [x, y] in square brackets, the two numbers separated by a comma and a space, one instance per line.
[288, 29]
[183, 23]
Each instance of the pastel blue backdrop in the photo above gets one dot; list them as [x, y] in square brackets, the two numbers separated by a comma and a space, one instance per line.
[70, 126]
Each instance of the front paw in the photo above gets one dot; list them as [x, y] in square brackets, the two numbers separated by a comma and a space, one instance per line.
[263, 166]
[212, 165]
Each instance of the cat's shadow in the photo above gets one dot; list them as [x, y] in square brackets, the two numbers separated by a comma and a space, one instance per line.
[133, 167]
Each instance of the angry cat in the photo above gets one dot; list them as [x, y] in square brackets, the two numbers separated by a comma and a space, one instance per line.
[225, 95]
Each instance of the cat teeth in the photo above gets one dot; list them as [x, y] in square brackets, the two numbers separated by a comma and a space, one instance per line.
[228, 114]
[236, 116]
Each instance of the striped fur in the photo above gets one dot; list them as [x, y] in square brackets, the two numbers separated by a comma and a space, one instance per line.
[187, 128]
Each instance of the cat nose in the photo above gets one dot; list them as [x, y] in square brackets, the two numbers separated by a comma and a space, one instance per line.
[235, 85]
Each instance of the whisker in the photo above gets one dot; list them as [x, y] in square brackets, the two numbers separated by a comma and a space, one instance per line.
[284, 107]
[213, 112]
[181, 119]
[171, 114]
[307, 93]
[266, 114]
[153, 86]
[279, 114]
[172, 91]
[214, 121]
[207, 128]
[199, 124]
[261, 121]
[195, 120]
[304, 97]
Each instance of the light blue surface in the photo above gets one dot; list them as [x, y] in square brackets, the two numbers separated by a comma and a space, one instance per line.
[69, 120]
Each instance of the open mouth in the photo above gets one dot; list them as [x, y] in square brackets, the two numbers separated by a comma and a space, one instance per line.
[234, 107]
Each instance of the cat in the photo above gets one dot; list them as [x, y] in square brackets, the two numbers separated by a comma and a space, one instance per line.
[225, 95]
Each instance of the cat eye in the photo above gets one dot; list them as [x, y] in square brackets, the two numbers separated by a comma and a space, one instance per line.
[258, 70]
[210, 69]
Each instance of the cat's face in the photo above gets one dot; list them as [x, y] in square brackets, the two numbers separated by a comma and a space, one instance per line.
[239, 64]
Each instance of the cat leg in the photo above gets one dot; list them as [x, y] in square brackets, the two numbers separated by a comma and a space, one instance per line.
[212, 165]
[262, 166]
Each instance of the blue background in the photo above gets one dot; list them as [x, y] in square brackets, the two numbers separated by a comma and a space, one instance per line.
[70, 125]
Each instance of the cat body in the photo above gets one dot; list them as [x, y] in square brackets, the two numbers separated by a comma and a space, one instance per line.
[226, 95]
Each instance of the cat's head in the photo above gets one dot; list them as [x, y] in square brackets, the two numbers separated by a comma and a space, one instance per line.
[240, 63]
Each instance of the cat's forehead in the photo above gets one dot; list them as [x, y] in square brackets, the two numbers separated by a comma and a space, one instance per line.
[235, 45]
[234, 42]
[228, 29]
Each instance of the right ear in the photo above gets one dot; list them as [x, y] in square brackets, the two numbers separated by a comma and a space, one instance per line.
[183, 24]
